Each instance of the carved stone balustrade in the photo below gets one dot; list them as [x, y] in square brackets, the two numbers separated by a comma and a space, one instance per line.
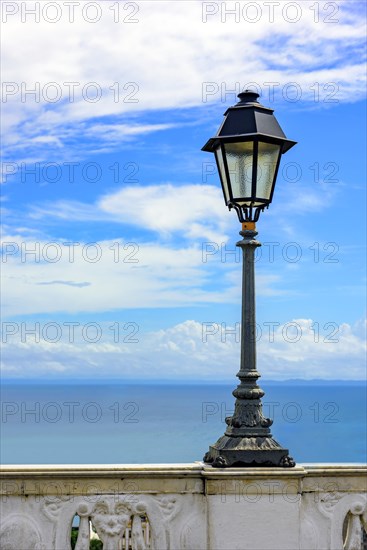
[184, 506]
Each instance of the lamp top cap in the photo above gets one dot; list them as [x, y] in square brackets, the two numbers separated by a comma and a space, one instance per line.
[248, 96]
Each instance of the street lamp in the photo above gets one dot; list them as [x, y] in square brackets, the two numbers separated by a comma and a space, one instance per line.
[248, 148]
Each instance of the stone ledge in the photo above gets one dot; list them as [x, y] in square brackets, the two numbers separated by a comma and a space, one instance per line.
[195, 478]
[195, 468]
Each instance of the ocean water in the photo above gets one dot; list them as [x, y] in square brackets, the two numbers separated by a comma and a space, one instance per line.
[104, 423]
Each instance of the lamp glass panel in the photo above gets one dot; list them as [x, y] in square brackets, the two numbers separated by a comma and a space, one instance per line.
[266, 164]
[240, 160]
[222, 173]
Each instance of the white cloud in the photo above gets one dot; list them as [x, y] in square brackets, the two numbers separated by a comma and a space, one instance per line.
[106, 276]
[119, 131]
[163, 60]
[191, 211]
[189, 261]
[52, 275]
[188, 350]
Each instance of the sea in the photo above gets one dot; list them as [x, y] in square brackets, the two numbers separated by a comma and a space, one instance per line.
[115, 422]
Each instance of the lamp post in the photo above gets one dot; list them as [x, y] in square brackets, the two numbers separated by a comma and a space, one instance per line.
[248, 148]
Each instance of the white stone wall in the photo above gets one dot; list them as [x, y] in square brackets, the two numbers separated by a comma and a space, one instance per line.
[188, 506]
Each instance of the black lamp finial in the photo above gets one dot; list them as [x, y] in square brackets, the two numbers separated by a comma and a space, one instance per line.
[248, 96]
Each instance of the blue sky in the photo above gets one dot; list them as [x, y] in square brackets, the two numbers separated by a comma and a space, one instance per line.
[105, 156]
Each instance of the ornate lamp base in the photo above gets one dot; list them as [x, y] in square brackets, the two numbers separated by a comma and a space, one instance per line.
[246, 452]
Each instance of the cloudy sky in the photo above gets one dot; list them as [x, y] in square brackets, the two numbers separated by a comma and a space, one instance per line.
[118, 254]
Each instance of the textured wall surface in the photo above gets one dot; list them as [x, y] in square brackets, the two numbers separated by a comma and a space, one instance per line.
[184, 506]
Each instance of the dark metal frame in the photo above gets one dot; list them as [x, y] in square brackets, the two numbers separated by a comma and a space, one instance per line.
[252, 212]
[243, 123]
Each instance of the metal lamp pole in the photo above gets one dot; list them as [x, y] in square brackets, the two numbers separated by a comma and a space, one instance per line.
[249, 134]
[248, 440]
